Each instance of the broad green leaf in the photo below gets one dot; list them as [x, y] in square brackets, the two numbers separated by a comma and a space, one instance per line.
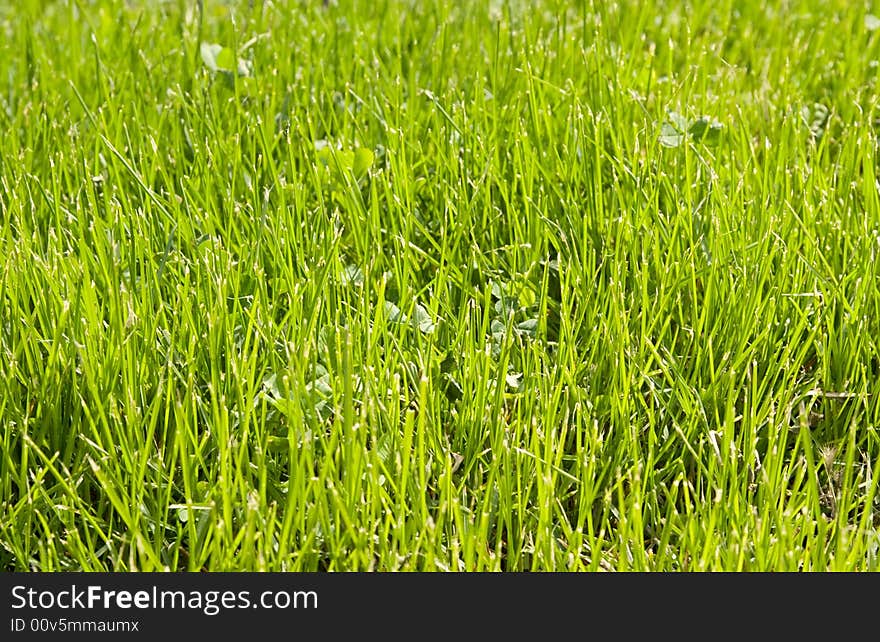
[527, 296]
[394, 314]
[218, 58]
[670, 136]
[452, 387]
[514, 380]
[209, 52]
[345, 159]
[277, 444]
[705, 130]
[816, 118]
[527, 327]
[225, 59]
[352, 275]
[497, 328]
[324, 152]
[422, 320]
[363, 160]
[385, 449]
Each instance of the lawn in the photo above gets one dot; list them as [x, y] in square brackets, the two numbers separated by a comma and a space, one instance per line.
[437, 285]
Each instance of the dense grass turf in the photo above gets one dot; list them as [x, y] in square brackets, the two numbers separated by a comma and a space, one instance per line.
[439, 285]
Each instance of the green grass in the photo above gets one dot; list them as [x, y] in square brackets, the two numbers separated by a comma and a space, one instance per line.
[439, 285]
